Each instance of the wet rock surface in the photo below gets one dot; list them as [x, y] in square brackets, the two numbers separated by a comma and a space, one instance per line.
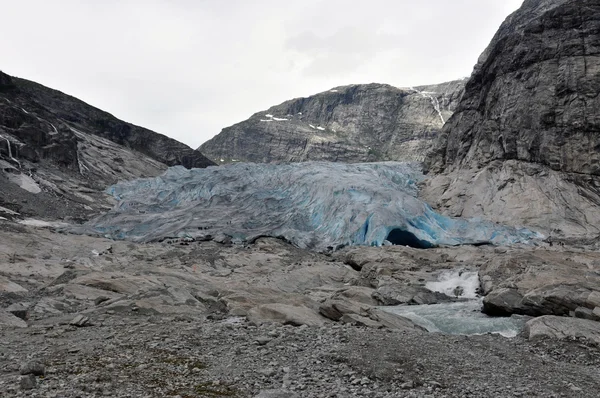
[541, 283]
[357, 123]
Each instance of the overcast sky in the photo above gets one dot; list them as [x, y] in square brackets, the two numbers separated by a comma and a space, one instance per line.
[188, 68]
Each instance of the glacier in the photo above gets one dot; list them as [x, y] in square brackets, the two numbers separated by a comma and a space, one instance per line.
[314, 205]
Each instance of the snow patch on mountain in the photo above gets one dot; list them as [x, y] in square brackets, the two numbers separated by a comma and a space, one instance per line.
[434, 101]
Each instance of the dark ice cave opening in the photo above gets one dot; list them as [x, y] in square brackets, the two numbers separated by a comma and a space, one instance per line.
[405, 238]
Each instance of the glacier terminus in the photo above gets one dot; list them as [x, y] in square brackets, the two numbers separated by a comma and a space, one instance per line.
[314, 205]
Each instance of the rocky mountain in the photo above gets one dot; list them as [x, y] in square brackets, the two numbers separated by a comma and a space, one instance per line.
[58, 153]
[356, 123]
[194, 314]
[523, 146]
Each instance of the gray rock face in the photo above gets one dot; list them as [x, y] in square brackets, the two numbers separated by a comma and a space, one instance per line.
[534, 92]
[556, 327]
[5, 81]
[357, 123]
[560, 283]
[528, 123]
[61, 151]
[502, 302]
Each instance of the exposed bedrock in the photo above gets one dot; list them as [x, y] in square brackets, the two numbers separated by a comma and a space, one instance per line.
[356, 123]
[524, 143]
[540, 282]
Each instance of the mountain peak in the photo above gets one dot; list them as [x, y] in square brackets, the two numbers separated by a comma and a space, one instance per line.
[353, 123]
[5, 81]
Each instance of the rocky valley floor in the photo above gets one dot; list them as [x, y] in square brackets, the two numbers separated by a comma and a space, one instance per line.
[135, 355]
[207, 319]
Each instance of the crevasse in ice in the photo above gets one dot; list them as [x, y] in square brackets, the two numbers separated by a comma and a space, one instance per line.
[314, 205]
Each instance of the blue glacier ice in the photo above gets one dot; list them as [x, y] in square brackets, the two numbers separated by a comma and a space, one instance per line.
[315, 205]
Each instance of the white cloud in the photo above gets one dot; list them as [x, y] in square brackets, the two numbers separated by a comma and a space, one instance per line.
[188, 68]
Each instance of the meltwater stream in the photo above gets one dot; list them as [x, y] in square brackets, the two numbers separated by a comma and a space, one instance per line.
[459, 318]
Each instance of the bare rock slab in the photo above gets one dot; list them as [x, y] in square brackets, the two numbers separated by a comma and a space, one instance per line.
[556, 327]
[20, 310]
[276, 394]
[34, 368]
[285, 314]
[80, 321]
[8, 286]
[8, 319]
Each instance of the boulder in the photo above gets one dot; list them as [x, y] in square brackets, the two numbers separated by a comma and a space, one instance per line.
[586, 313]
[20, 310]
[28, 382]
[556, 300]
[285, 314]
[8, 319]
[276, 394]
[393, 321]
[540, 282]
[35, 368]
[335, 308]
[80, 321]
[503, 302]
[562, 328]
[8, 286]
[357, 320]
[83, 292]
[106, 283]
[358, 294]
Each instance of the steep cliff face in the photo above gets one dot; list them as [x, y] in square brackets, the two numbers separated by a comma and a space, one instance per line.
[528, 125]
[57, 153]
[357, 123]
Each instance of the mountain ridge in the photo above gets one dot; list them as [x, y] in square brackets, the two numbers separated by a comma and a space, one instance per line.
[353, 123]
[57, 148]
